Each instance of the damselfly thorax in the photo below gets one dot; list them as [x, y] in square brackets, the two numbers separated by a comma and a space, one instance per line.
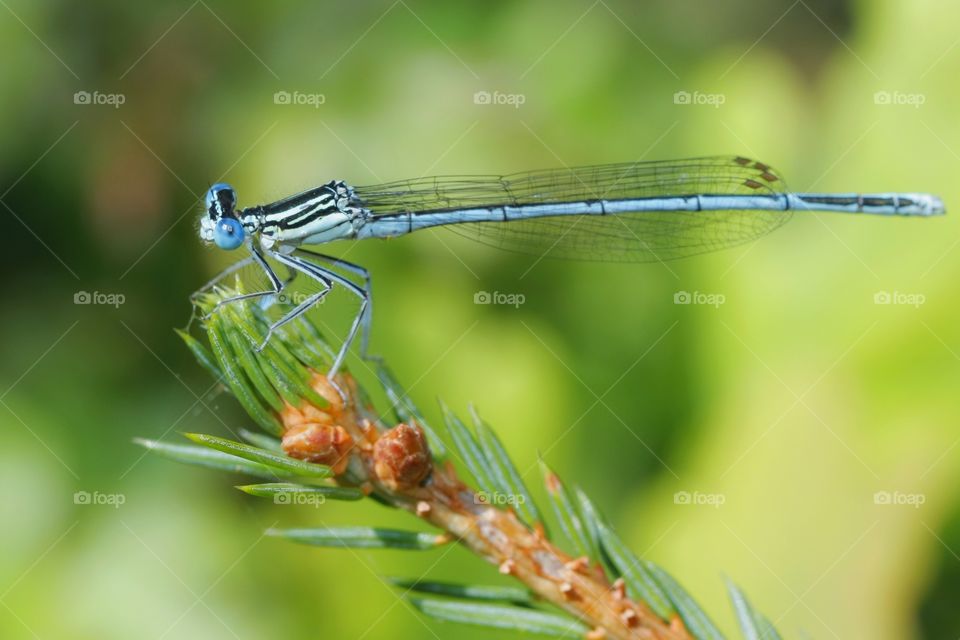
[317, 216]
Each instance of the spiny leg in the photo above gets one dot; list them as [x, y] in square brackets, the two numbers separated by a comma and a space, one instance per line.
[236, 266]
[195, 296]
[367, 316]
[275, 282]
[310, 270]
[318, 272]
[292, 275]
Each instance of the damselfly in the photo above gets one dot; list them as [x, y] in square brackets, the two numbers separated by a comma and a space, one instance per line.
[633, 212]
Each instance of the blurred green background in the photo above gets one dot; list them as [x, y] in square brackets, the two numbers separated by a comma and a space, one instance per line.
[819, 418]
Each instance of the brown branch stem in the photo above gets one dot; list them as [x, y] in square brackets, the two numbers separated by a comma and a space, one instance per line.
[397, 466]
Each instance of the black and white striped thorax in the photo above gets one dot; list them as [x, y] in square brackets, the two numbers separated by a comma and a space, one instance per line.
[328, 212]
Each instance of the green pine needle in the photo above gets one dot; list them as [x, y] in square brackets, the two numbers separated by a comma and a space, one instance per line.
[285, 372]
[279, 461]
[202, 354]
[243, 351]
[285, 492]
[476, 592]
[695, 619]
[567, 514]
[360, 538]
[261, 440]
[640, 582]
[590, 517]
[755, 625]
[469, 449]
[236, 380]
[503, 617]
[504, 473]
[206, 457]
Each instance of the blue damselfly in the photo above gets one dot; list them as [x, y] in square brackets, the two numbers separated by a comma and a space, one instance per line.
[632, 212]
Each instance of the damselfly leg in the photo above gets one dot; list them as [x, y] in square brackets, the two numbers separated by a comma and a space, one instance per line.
[366, 317]
[195, 296]
[276, 285]
[254, 258]
[324, 276]
[362, 319]
[312, 271]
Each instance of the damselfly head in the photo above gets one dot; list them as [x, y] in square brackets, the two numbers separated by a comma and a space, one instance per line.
[219, 223]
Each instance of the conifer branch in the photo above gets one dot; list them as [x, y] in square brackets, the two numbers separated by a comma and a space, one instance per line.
[326, 441]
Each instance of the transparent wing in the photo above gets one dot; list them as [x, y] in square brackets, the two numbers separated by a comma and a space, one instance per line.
[628, 237]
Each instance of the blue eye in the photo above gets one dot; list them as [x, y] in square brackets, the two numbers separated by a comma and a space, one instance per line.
[228, 233]
[221, 198]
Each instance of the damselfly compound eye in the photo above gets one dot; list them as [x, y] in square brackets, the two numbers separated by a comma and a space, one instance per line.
[220, 200]
[228, 233]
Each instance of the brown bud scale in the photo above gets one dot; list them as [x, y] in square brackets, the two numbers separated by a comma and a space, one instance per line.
[319, 443]
[401, 458]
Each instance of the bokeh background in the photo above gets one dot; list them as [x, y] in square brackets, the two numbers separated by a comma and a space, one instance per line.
[824, 423]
